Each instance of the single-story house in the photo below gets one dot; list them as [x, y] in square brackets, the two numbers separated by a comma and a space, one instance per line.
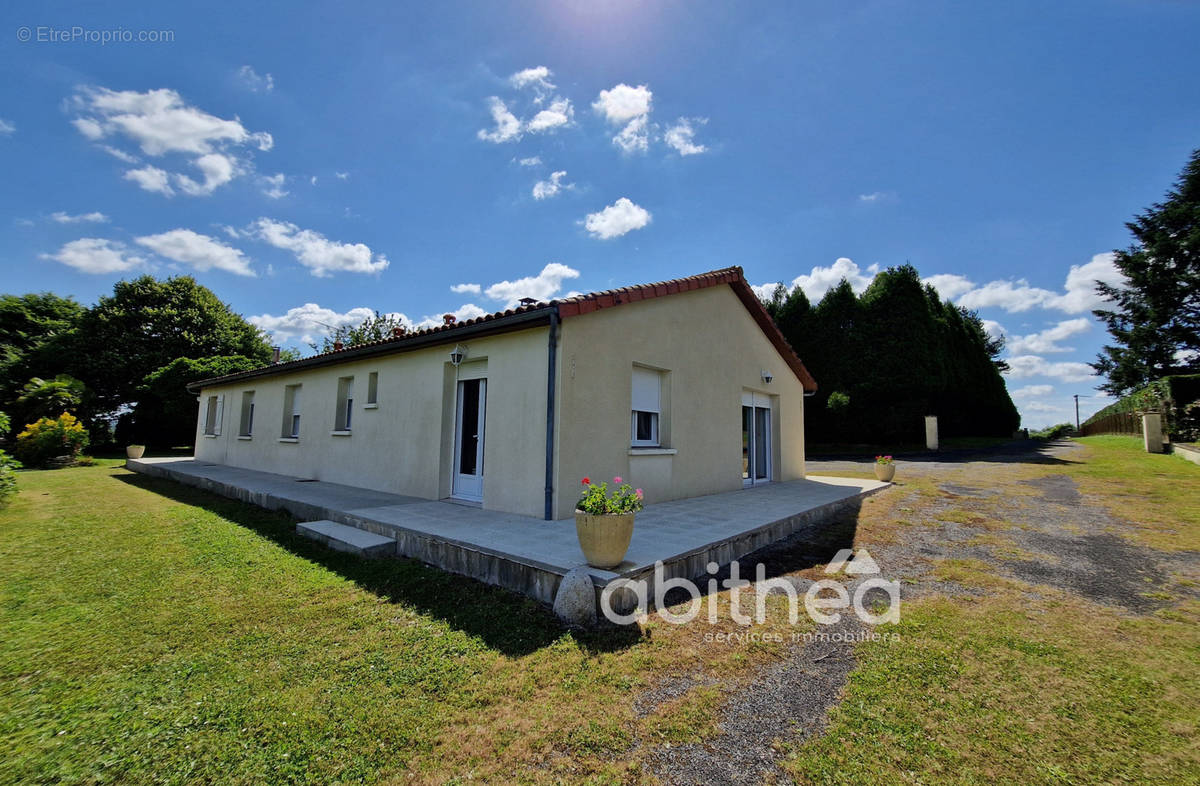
[683, 388]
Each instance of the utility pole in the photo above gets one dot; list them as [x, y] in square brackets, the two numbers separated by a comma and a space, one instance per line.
[1076, 413]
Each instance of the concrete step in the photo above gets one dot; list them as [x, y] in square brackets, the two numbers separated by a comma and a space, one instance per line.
[349, 539]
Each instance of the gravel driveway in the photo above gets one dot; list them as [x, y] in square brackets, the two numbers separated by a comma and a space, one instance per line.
[1012, 510]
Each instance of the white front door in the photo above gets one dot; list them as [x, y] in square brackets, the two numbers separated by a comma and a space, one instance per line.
[756, 439]
[468, 439]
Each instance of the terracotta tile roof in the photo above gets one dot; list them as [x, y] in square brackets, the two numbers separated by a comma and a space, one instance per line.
[534, 313]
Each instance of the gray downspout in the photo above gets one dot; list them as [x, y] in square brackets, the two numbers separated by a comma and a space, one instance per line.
[551, 380]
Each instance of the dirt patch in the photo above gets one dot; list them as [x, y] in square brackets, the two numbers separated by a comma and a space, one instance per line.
[788, 700]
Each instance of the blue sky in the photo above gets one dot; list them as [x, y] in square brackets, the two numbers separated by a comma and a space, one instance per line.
[307, 163]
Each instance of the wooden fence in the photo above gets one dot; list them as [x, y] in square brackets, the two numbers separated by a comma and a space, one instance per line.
[1116, 423]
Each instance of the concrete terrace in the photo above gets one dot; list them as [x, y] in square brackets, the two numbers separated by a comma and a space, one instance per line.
[529, 555]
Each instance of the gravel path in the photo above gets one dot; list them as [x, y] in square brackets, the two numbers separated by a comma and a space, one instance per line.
[1039, 530]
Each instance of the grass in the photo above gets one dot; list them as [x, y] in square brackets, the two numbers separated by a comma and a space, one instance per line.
[1024, 683]
[154, 633]
[1156, 493]
[991, 690]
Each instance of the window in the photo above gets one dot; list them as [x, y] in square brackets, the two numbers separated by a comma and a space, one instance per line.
[345, 404]
[373, 388]
[291, 412]
[212, 415]
[247, 421]
[647, 407]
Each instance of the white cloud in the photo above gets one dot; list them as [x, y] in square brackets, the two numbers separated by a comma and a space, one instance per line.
[949, 285]
[198, 251]
[624, 103]
[120, 155]
[634, 137]
[151, 178]
[994, 329]
[310, 321]
[217, 168]
[543, 286]
[628, 107]
[254, 82]
[877, 196]
[1048, 340]
[1024, 366]
[617, 219]
[320, 255]
[1078, 296]
[681, 136]
[467, 289]
[765, 291]
[6, 127]
[538, 77]
[1031, 391]
[822, 279]
[273, 185]
[1081, 281]
[312, 181]
[558, 114]
[83, 218]
[342, 175]
[159, 122]
[461, 314]
[531, 161]
[508, 127]
[96, 255]
[544, 189]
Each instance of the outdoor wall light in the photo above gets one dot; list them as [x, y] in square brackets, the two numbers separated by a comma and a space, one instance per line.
[767, 376]
[457, 354]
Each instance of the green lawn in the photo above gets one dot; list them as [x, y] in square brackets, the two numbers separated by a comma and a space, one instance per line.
[154, 633]
[1030, 684]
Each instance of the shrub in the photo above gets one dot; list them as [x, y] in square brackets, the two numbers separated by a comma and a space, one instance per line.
[8, 465]
[48, 439]
[1054, 432]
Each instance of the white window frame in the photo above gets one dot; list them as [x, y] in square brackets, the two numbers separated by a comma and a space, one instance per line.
[344, 415]
[646, 395]
[246, 426]
[213, 413]
[372, 389]
[291, 411]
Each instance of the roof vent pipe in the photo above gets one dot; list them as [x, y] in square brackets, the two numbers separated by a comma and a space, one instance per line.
[274, 355]
[449, 319]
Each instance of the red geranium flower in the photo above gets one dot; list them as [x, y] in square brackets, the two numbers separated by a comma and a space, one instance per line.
[587, 481]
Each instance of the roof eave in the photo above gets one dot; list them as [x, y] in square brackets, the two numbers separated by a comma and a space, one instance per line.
[504, 324]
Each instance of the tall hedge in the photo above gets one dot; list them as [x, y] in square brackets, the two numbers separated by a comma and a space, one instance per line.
[898, 353]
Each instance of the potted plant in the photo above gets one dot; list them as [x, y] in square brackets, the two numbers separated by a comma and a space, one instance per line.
[885, 468]
[134, 451]
[604, 521]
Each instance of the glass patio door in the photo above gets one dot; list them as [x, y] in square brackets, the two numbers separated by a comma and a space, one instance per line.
[468, 439]
[756, 439]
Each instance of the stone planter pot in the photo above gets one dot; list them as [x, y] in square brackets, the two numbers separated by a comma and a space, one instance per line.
[604, 539]
[134, 451]
[885, 472]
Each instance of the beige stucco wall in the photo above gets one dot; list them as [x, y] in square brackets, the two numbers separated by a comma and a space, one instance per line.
[711, 350]
[405, 445]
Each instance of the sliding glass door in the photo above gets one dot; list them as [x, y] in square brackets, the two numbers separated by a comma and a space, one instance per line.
[756, 439]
